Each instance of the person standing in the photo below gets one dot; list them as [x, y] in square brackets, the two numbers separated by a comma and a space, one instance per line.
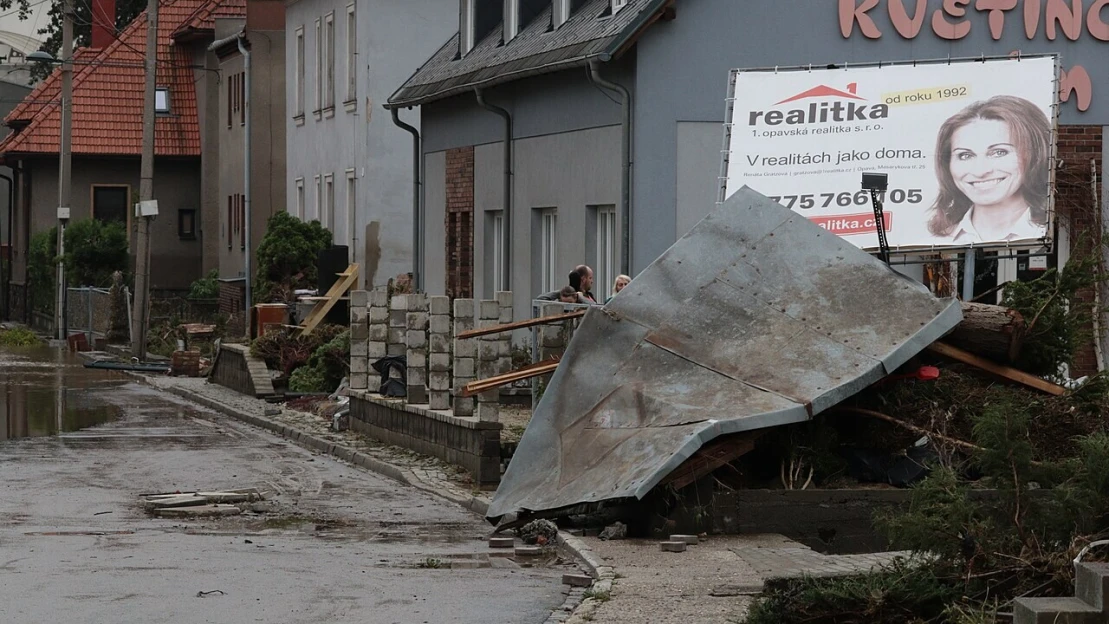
[618, 285]
[581, 278]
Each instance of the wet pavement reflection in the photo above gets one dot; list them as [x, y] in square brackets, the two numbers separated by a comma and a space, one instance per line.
[48, 391]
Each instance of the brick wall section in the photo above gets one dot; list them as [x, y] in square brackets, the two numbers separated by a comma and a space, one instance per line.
[232, 297]
[1077, 146]
[465, 442]
[236, 369]
[460, 222]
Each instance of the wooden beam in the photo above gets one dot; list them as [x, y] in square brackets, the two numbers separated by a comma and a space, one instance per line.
[1004, 372]
[338, 289]
[710, 457]
[527, 372]
[497, 329]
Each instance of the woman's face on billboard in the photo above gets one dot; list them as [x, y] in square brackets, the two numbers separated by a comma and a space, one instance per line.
[984, 162]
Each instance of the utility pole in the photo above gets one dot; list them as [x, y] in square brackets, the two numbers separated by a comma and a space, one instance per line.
[65, 161]
[147, 208]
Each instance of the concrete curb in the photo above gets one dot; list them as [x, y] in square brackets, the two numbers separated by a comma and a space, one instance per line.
[569, 612]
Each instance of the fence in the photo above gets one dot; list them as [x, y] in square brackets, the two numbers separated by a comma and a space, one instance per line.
[89, 311]
[550, 340]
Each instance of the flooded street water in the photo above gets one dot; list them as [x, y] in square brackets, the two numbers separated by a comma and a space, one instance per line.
[47, 391]
[331, 542]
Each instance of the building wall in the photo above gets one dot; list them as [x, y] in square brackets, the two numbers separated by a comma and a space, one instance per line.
[174, 262]
[10, 95]
[358, 137]
[267, 147]
[683, 71]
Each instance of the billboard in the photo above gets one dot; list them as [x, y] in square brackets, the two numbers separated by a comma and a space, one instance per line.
[968, 148]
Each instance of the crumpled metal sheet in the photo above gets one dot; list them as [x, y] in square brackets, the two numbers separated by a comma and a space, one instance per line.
[755, 318]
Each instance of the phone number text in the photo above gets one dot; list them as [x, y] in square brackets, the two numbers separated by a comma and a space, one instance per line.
[859, 198]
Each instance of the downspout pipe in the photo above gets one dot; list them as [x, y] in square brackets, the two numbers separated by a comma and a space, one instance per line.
[247, 221]
[506, 233]
[417, 221]
[625, 162]
[7, 277]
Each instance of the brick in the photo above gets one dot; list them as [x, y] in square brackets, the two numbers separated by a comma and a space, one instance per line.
[378, 315]
[439, 362]
[463, 308]
[417, 395]
[396, 335]
[416, 359]
[359, 365]
[504, 298]
[487, 351]
[439, 304]
[378, 332]
[417, 377]
[440, 324]
[489, 309]
[358, 348]
[358, 315]
[379, 297]
[461, 325]
[359, 381]
[439, 343]
[399, 302]
[488, 412]
[375, 350]
[360, 332]
[506, 315]
[416, 320]
[439, 400]
[463, 406]
[416, 339]
[439, 381]
[398, 318]
[465, 348]
[359, 299]
[464, 368]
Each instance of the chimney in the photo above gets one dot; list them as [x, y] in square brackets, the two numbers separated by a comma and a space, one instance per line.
[103, 23]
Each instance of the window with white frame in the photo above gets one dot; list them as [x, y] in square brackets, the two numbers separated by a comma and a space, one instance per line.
[560, 12]
[329, 61]
[299, 199]
[604, 274]
[328, 217]
[319, 199]
[319, 65]
[352, 206]
[511, 20]
[352, 54]
[466, 27]
[617, 5]
[548, 250]
[298, 110]
[496, 246]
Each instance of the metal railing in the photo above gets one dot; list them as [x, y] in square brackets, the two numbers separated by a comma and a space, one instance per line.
[537, 306]
[89, 311]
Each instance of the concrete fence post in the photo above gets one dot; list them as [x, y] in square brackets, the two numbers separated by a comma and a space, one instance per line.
[377, 333]
[359, 339]
[464, 369]
[439, 353]
[488, 351]
[416, 351]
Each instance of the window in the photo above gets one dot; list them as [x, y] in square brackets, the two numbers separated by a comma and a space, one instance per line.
[548, 249]
[298, 86]
[327, 219]
[300, 200]
[560, 12]
[319, 199]
[352, 55]
[110, 203]
[230, 219]
[161, 100]
[319, 67]
[606, 263]
[511, 20]
[329, 61]
[230, 99]
[186, 224]
[242, 98]
[241, 201]
[496, 246]
[352, 199]
[617, 5]
[236, 92]
[466, 27]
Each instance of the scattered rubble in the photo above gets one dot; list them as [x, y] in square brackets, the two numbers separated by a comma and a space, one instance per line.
[538, 531]
[615, 531]
[202, 504]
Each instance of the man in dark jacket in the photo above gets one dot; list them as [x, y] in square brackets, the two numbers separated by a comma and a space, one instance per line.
[581, 279]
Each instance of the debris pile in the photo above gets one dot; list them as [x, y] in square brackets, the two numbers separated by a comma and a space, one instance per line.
[200, 504]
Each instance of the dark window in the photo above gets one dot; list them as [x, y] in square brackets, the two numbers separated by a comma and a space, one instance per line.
[242, 221]
[186, 224]
[242, 99]
[230, 217]
[109, 203]
[230, 96]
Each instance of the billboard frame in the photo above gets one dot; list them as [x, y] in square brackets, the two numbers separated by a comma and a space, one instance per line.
[1047, 242]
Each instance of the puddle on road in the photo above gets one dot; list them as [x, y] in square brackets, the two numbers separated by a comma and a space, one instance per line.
[48, 391]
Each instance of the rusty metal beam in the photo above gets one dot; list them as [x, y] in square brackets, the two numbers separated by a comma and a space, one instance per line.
[527, 372]
[497, 329]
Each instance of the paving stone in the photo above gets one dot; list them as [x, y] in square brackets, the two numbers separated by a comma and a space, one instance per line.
[675, 547]
[692, 540]
[502, 542]
[577, 580]
[528, 551]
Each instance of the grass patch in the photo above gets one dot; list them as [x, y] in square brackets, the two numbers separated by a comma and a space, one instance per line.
[19, 337]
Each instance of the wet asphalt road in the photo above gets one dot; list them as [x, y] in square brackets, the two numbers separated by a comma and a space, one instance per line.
[333, 544]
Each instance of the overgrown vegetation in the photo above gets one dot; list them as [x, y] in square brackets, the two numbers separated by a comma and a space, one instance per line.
[325, 352]
[94, 250]
[206, 287]
[287, 257]
[19, 337]
[41, 264]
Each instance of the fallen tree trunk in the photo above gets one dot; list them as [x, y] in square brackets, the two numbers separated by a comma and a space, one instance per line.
[991, 331]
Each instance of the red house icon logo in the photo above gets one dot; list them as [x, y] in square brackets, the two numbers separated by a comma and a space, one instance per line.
[825, 91]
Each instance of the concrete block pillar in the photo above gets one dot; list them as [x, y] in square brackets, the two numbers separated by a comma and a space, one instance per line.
[359, 339]
[488, 352]
[377, 333]
[439, 353]
[504, 344]
[553, 337]
[416, 352]
[464, 369]
[398, 321]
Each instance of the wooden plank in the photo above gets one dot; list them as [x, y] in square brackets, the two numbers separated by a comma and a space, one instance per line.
[341, 286]
[527, 372]
[497, 329]
[710, 457]
[1005, 372]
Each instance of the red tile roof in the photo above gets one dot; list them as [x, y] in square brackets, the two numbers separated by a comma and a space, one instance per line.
[204, 18]
[108, 96]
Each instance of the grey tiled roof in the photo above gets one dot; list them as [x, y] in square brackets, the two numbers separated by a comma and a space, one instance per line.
[534, 50]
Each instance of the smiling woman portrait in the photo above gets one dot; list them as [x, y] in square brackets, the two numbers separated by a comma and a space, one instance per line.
[992, 162]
